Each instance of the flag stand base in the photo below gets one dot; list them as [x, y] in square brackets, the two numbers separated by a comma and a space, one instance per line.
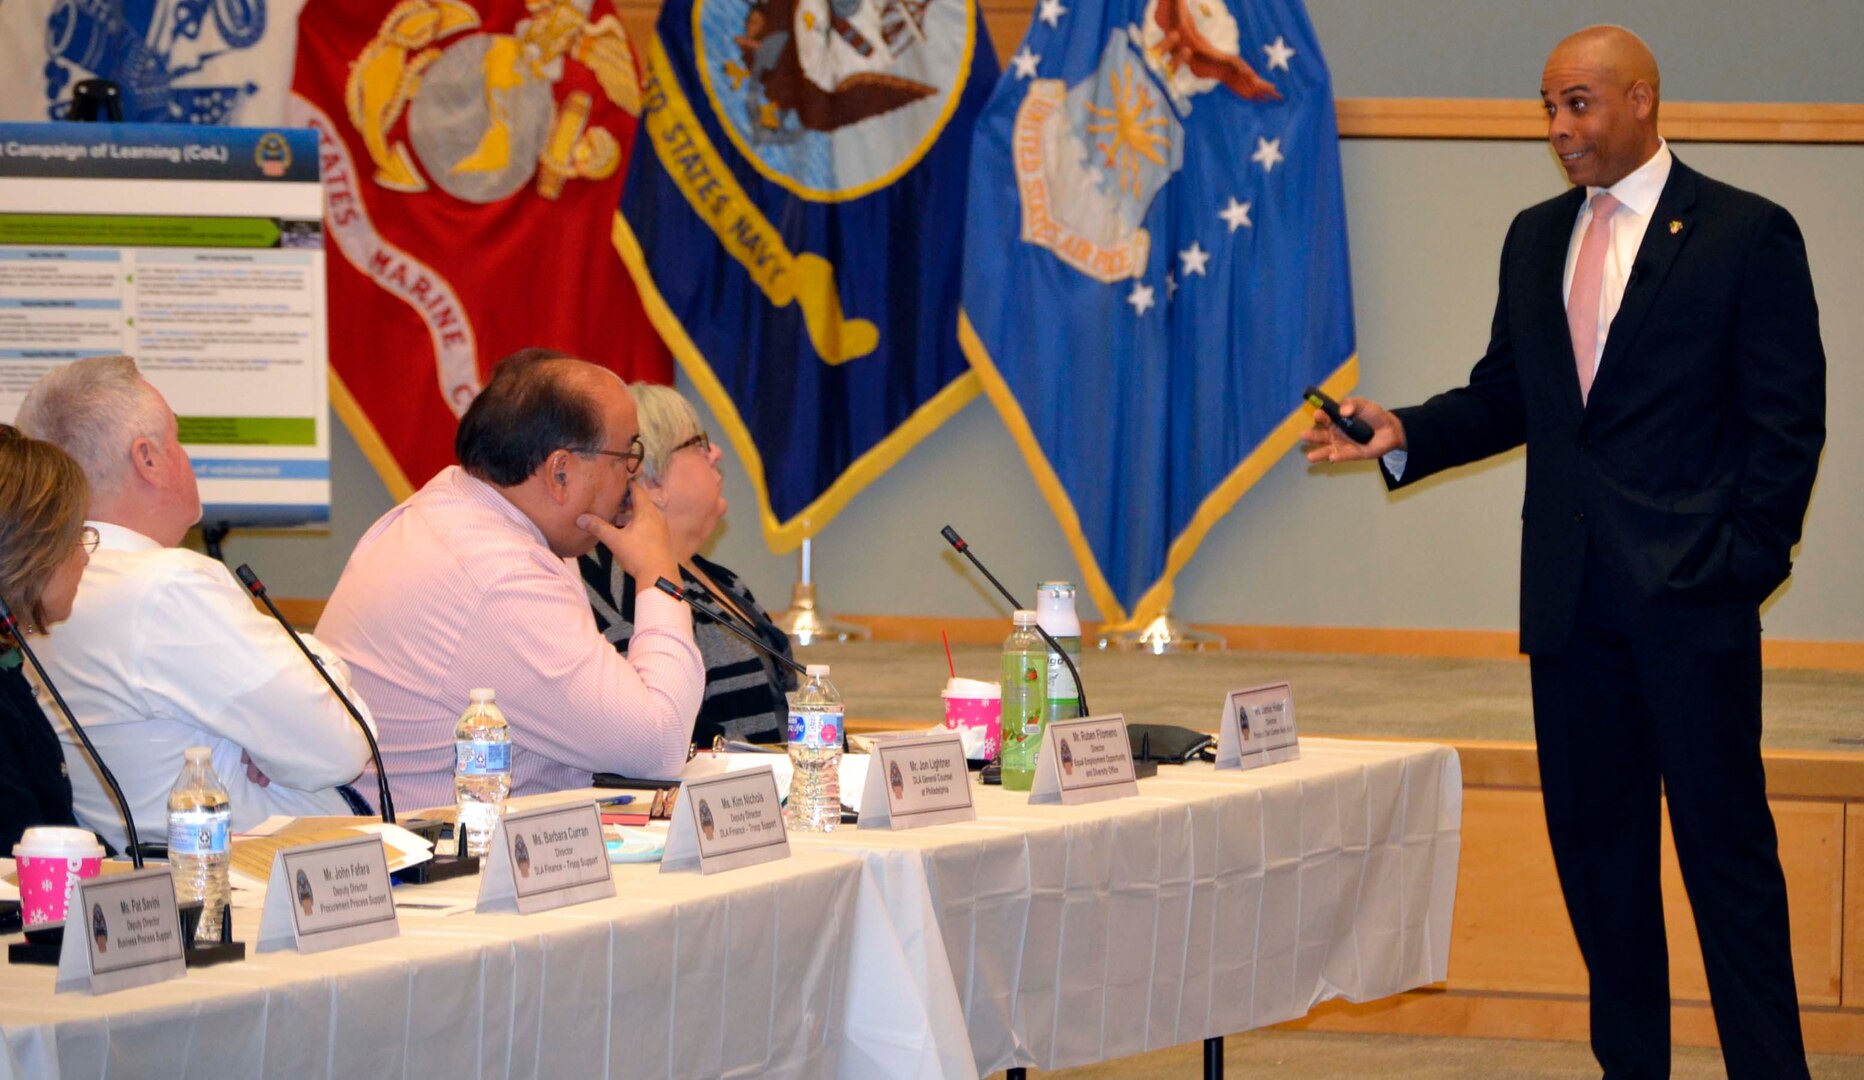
[1162, 635]
[805, 624]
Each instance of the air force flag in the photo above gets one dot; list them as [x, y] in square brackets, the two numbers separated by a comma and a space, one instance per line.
[791, 216]
[1155, 267]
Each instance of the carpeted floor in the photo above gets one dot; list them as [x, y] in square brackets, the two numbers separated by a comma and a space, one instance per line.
[1301, 1055]
[1334, 695]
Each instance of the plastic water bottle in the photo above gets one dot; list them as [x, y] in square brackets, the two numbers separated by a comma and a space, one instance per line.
[1055, 613]
[1025, 701]
[481, 769]
[200, 824]
[814, 803]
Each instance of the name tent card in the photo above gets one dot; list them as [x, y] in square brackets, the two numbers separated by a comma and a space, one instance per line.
[726, 822]
[122, 930]
[917, 782]
[546, 858]
[1083, 761]
[1258, 728]
[328, 895]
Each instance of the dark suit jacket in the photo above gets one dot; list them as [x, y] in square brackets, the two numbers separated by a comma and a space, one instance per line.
[33, 786]
[1692, 463]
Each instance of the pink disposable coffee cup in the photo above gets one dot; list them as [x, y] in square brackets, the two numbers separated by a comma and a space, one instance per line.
[978, 705]
[52, 859]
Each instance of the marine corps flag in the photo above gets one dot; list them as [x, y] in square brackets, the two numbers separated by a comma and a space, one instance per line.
[1155, 267]
[472, 153]
[791, 217]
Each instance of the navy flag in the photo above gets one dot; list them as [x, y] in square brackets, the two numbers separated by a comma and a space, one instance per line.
[790, 217]
[1155, 269]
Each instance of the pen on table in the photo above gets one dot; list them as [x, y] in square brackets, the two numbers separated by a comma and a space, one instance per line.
[618, 800]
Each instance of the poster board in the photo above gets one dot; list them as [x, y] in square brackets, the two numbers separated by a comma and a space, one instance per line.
[199, 252]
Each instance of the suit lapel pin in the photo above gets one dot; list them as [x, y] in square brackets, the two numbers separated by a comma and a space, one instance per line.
[1675, 227]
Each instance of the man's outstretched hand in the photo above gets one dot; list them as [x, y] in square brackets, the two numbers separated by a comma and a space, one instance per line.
[1326, 443]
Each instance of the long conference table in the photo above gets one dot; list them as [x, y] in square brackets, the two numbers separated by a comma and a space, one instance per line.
[1045, 936]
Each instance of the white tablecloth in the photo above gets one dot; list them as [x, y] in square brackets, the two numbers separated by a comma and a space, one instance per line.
[742, 974]
[1213, 903]
[1041, 936]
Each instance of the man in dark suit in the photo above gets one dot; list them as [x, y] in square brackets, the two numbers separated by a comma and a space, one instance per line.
[1656, 347]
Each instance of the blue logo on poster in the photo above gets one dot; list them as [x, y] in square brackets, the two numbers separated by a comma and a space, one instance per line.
[146, 47]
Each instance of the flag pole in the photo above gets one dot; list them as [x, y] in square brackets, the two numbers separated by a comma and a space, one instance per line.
[804, 622]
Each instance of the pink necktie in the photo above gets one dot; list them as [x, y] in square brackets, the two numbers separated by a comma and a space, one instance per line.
[1582, 301]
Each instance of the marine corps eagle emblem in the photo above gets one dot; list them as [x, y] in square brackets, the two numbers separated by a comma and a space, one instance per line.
[482, 113]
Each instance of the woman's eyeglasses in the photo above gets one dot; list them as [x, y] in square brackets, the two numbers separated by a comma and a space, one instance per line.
[701, 440]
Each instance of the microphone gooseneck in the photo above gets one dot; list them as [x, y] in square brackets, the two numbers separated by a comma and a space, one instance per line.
[957, 542]
[257, 588]
[11, 626]
[685, 597]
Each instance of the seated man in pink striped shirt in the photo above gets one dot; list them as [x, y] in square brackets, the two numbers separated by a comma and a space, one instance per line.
[472, 582]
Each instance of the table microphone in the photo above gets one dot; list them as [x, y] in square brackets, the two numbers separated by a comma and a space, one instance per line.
[257, 588]
[686, 597]
[957, 542]
[11, 626]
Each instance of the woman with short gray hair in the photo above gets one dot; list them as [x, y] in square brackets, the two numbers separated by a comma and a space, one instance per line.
[744, 693]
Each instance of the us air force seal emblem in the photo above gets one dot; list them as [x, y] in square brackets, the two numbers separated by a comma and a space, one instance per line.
[832, 99]
[1090, 158]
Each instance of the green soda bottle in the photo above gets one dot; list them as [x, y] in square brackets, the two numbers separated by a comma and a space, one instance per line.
[1025, 701]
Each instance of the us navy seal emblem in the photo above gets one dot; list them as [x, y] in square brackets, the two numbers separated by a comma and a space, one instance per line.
[832, 99]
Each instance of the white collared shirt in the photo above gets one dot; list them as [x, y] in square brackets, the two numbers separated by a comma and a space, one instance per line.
[164, 650]
[1638, 193]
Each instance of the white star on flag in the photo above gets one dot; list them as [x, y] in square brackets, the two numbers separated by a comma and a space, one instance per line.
[1171, 285]
[1025, 63]
[1236, 215]
[1193, 258]
[1268, 153]
[1051, 12]
[1140, 298]
[1278, 54]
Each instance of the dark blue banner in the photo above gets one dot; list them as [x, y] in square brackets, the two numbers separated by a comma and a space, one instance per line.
[158, 152]
[791, 217]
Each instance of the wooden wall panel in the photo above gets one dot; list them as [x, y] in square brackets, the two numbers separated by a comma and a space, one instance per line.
[1812, 854]
[1854, 908]
[1511, 932]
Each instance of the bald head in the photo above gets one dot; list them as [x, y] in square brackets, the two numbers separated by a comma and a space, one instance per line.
[1618, 53]
[1600, 88]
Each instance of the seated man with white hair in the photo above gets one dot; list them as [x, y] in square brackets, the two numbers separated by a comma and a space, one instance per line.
[164, 649]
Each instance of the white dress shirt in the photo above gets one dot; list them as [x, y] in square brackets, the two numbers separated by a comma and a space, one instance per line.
[1638, 194]
[164, 650]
